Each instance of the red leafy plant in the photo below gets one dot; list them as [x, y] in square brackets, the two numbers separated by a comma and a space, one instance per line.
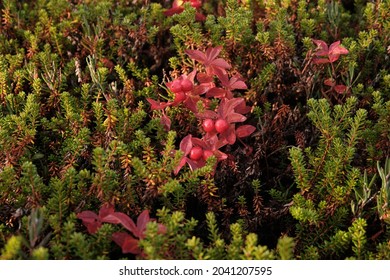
[326, 54]
[107, 214]
[219, 130]
[178, 7]
[188, 92]
[337, 88]
[209, 59]
[329, 55]
[235, 82]
[196, 151]
[219, 126]
[224, 121]
[185, 92]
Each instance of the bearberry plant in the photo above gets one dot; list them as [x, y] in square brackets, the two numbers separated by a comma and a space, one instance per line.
[208, 85]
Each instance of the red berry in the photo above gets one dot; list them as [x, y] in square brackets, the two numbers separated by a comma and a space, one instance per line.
[221, 125]
[207, 154]
[186, 85]
[208, 125]
[196, 153]
[175, 86]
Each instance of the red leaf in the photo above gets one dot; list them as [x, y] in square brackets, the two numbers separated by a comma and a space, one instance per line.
[221, 63]
[204, 78]
[207, 114]
[243, 108]
[333, 57]
[201, 89]
[195, 164]
[200, 17]
[325, 54]
[336, 49]
[214, 65]
[234, 118]
[200, 143]
[320, 60]
[212, 53]
[128, 243]
[90, 220]
[112, 219]
[321, 44]
[106, 210]
[124, 220]
[174, 10]
[191, 76]
[155, 105]
[226, 107]
[236, 83]
[220, 155]
[340, 89]
[166, 122]
[196, 55]
[87, 215]
[186, 144]
[190, 103]
[182, 162]
[220, 143]
[218, 71]
[142, 221]
[229, 135]
[329, 82]
[92, 227]
[245, 130]
[216, 92]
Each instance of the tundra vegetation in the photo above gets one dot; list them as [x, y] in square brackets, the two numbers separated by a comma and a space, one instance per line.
[194, 129]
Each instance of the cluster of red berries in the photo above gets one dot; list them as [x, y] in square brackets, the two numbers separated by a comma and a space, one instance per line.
[211, 126]
[179, 87]
[198, 153]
